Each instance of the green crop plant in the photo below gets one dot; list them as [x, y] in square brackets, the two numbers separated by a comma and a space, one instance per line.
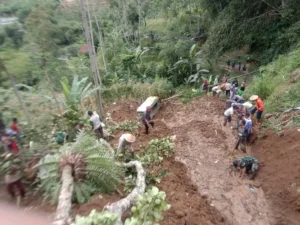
[128, 125]
[95, 218]
[148, 208]
[157, 149]
[147, 211]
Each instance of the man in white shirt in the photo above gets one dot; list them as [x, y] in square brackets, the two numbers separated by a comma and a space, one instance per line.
[228, 113]
[96, 124]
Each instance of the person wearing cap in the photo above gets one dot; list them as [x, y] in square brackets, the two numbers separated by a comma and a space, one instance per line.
[146, 119]
[79, 127]
[259, 109]
[125, 142]
[96, 124]
[248, 165]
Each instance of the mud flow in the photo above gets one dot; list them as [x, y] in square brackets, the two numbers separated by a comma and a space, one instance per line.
[200, 186]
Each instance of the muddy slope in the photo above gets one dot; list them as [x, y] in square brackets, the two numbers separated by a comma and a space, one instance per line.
[206, 148]
[280, 173]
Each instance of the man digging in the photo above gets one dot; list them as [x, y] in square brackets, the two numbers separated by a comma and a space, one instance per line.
[146, 120]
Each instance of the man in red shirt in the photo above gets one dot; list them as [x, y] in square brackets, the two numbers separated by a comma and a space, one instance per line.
[14, 125]
[258, 109]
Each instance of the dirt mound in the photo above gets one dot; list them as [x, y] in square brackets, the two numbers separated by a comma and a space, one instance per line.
[279, 173]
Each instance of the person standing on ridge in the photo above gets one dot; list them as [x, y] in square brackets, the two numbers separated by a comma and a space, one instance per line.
[228, 88]
[216, 81]
[259, 109]
[205, 87]
[235, 82]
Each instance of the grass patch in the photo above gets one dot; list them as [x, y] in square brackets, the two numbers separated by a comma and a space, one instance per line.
[137, 91]
[273, 84]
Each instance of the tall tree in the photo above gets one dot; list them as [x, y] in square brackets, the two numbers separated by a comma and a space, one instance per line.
[92, 54]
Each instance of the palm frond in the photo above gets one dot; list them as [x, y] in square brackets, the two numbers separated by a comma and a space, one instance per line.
[100, 172]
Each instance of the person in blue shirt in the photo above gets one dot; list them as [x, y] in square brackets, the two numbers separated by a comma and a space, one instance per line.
[248, 125]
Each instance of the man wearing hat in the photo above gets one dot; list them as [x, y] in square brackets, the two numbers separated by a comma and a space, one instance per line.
[146, 119]
[258, 109]
[125, 142]
[248, 165]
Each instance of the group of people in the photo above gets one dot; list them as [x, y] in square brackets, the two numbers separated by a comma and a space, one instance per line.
[233, 64]
[230, 89]
[125, 141]
[244, 112]
[10, 141]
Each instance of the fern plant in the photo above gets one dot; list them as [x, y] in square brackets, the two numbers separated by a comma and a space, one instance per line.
[93, 169]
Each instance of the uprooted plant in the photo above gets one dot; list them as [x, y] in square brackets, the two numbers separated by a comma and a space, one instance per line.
[75, 172]
[146, 210]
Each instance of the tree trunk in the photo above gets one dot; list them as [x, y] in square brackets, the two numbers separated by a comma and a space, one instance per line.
[93, 57]
[63, 210]
[52, 90]
[101, 43]
[124, 204]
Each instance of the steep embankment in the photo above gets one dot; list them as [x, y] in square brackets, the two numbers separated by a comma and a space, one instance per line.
[279, 155]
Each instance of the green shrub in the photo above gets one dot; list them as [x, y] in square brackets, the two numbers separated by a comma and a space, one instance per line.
[137, 91]
[273, 85]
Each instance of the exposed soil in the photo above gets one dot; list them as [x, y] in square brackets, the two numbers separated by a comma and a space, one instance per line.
[279, 155]
[199, 186]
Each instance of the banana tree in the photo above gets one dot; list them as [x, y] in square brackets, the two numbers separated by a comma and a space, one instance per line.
[75, 172]
[76, 92]
[195, 66]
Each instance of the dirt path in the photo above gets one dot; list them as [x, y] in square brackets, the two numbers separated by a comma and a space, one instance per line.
[204, 146]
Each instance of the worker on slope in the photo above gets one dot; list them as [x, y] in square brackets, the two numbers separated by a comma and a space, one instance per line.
[259, 109]
[228, 88]
[238, 99]
[146, 120]
[248, 126]
[216, 90]
[229, 103]
[79, 127]
[125, 143]
[247, 165]
[96, 124]
[228, 114]
[62, 137]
